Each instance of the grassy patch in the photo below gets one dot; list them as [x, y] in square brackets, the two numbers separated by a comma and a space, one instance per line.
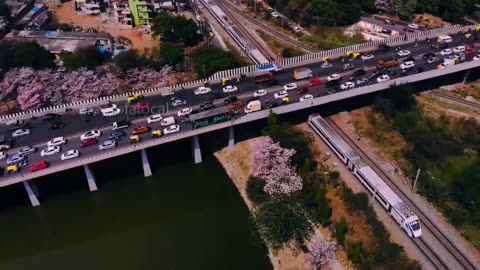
[472, 234]
[326, 38]
[278, 47]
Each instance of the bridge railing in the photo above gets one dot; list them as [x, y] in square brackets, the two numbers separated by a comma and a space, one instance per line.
[248, 70]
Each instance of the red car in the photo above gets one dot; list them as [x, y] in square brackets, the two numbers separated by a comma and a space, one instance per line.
[40, 165]
[470, 49]
[302, 90]
[140, 130]
[88, 142]
[314, 82]
[142, 106]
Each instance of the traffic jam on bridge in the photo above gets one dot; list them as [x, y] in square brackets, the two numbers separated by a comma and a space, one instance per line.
[37, 143]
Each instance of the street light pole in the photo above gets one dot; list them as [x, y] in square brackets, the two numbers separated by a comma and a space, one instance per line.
[416, 179]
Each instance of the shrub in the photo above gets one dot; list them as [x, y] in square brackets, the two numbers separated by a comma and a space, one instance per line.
[255, 191]
[340, 231]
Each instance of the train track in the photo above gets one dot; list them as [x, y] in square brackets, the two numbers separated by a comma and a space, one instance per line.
[456, 99]
[437, 259]
[276, 34]
[246, 33]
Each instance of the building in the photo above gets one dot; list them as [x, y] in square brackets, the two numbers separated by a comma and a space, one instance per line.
[122, 12]
[87, 6]
[375, 29]
[141, 11]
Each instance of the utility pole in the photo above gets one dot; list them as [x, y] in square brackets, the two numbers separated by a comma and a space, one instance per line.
[416, 179]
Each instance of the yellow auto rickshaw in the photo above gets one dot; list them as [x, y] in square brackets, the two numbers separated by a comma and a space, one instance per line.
[12, 169]
[226, 81]
[285, 100]
[156, 133]
[326, 58]
[477, 29]
[134, 139]
[134, 98]
[353, 55]
[468, 36]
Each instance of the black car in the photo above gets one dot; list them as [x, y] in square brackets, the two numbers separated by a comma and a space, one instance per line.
[207, 106]
[359, 72]
[418, 70]
[214, 96]
[230, 100]
[404, 73]
[428, 55]
[50, 116]
[332, 83]
[409, 59]
[55, 125]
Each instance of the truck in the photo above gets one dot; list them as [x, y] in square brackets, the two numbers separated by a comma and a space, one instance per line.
[387, 64]
[302, 73]
[446, 63]
[166, 92]
[120, 125]
[265, 78]
[253, 106]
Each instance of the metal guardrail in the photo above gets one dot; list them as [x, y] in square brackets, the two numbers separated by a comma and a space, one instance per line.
[289, 62]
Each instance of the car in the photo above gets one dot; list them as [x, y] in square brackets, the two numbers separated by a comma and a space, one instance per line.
[85, 111]
[207, 106]
[57, 141]
[260, 93]
[202, 90]
[408, 29]
[297, 29]
[332, 83]
[21, 132]
[108, 144]
[230, 89]
[140, 130]
[290, 86]
[403, 53]
[459, 57]
[154, 118]
[367, 56]
[459, 49]
[332, 90]
[412, 26]
[326, 64]
[271, 105]
[383, 78]
[55, 125]
[275, 14]
[446, 52]
[433, 60]
[38, 166]
[407, 65]
[347, 85]
[142, 106]
[280, 95]
[214, 96]
[333, 77]
[16, 159]
[362, 81]
[476, 57]
[171, 129]
[428, 55]
[116, 135]
[27, 150]
[70, 154]
[302, 90]
[235, 105]
[347, 66]
[50, 116]
[306, 97]
[409, 59]
[418, 70]
[3, 155]
[178, 102]
[230, 100]
[88, 142]
[94, 133]
[314, 82]
[359, 72]
[51, 150]
[184, 112]
[285, 100]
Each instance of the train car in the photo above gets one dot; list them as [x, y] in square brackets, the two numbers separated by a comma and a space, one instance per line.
[258, 57]
[368, 177]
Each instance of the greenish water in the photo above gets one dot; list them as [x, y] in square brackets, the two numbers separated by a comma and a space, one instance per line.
[186, 216]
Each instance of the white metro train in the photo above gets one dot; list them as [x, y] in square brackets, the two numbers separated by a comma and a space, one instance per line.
[381, 191]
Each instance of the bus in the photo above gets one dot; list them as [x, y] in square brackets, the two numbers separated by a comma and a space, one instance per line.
[212, 117]
[265, 78]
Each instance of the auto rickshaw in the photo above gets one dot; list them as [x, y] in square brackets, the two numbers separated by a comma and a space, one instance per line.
[12, 169]
[326, 58]
[468, 36]
[477, 29]
[353, 55]
[134, 98]
[134, 139]
[226, 81]
[285, 100]
[156, 133]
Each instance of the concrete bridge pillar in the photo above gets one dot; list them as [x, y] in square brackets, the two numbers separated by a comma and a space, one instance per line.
[231, 137]
[197, 152]
[90, 178]
[147, 171]
[467, 74]
[32, 192]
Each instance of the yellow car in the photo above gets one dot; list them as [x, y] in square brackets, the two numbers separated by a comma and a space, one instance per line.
[134, 98]
[156, 133]
[285, 100]
[134, 139]
[12, 169]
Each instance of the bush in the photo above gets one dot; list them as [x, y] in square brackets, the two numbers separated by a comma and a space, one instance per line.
[89, 58]
[314, 201]
[340, 231]
[255, 191]
[208, 60]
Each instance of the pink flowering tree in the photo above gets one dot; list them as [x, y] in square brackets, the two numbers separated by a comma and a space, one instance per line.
[321, 252]
[139, 79]
[31, 97]
[84, 84]
[272, 163]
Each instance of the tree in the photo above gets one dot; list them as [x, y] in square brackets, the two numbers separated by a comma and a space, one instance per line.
[176, 29]
[340, 230]
[321, 252]
[140, 79]
[129, 60]
[255, 190]
[170, 54]
[406, 8]
[89, 57]
[208, 60]
[30, 54]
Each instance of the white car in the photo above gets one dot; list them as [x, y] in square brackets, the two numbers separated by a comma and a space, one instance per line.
[202, 90]
[108, 144]
[85, 111]
[56, 141]
[171, 129]
[21, 132]
[290, 86]
[70, 154]
[383, 78]
[459, 49]
[51, 150]
[154, 118]
[403, 52]
[413, 26]
[347, 85]
[407, 64]
[297, 29]
[27, 150]
[184, 112]
[281, 94]
[432, 60]
[367, 56]
[229, 88]
[306, 97]
[260, 93]
[326, 64]
[92, 134]
[446, 52]
[3, 155]
[333, 77]
[476, 57]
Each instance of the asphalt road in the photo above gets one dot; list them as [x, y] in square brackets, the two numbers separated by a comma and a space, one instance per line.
[75, 124]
